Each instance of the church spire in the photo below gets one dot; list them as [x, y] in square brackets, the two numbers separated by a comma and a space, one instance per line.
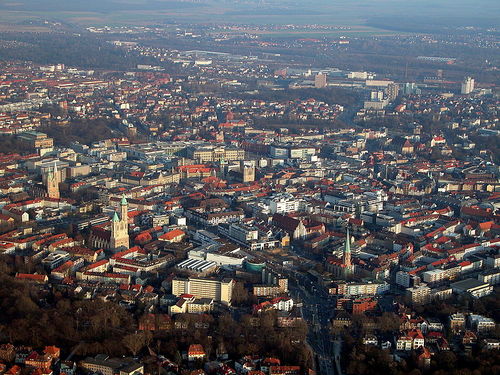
[347, 255]
[347, 246]
[124, 210]
[53, 182]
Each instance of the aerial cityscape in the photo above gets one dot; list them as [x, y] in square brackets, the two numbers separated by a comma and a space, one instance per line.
[249, 187]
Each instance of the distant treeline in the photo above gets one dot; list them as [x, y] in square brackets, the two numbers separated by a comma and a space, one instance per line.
[82, 131]
[84, 51]
[429, 24]
[331, 96]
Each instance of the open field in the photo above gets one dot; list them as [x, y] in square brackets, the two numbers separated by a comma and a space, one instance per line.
[16, 21]
[201, 15]
[6, 27]
[249, 12]
[351, 31]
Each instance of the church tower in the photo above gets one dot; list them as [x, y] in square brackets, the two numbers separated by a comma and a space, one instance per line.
[346, 258]
[53, 183]
[119, 228]
[219, 137]
[248, 171]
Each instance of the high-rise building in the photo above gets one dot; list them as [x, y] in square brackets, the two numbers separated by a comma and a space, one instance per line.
[119, 228]
[419, 295]
[320, 81]
[377, 95]
[411, 88]
[467, 86]
[392, 91]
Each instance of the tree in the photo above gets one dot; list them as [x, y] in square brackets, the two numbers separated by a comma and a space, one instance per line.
[388, 322]
[135, 342]
[240, 295]
[445, 361]
[83, 131]
[268, 320]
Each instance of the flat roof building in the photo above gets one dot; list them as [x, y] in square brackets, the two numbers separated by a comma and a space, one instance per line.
[474, 287]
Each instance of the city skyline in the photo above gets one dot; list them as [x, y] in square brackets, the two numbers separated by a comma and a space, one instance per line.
[249, 187]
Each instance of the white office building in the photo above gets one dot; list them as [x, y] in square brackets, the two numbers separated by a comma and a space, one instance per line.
[467, 86]
[284, 203]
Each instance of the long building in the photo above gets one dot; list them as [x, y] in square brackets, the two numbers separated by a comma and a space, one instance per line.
[204, 154]
[218, 290]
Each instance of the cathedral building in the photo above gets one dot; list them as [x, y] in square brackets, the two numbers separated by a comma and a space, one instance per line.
[342, 268]
[115, 238]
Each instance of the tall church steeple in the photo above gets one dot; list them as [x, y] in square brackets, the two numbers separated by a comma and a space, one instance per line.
[124, 209]
[53, 182]
[119, 228]
[346, 258]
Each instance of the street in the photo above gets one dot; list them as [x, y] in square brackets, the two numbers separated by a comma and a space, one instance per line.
[316, 311]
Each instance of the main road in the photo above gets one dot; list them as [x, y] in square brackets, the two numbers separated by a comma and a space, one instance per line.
[316, 311]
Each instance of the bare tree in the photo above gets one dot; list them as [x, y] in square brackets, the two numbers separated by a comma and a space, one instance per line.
[135, 342]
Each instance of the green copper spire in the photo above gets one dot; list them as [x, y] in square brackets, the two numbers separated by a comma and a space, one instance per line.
[123, 202]
[116, 219]
[348, 271]
[347, 248]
